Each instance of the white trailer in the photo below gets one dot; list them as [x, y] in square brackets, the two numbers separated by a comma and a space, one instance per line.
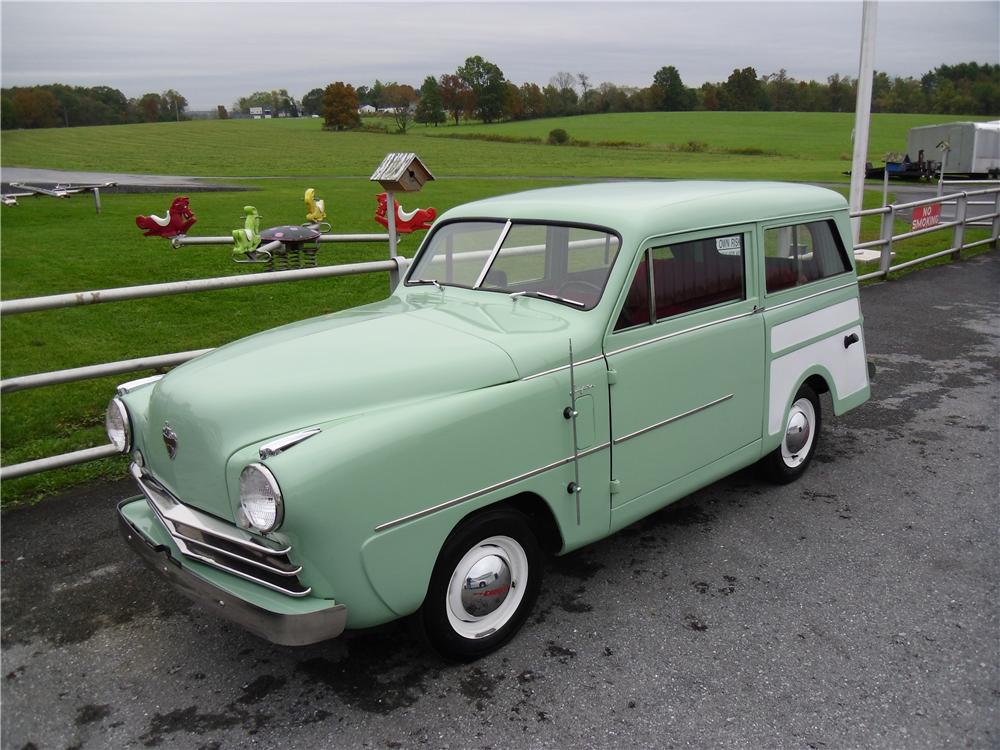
[973, 148]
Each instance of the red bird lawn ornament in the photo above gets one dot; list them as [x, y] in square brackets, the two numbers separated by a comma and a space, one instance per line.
[406, 222]
[178, 220]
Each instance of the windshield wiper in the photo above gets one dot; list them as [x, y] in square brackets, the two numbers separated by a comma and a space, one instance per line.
[425, 281]
[545, 295]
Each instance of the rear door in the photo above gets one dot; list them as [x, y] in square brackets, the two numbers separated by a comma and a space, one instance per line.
[687, 360]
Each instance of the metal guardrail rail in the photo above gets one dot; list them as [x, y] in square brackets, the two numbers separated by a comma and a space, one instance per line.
[77, 299]
[398, 265]
[958, 226]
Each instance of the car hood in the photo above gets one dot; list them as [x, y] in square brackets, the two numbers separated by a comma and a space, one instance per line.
[304, 374]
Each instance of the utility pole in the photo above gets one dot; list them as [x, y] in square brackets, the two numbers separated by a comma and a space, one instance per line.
[862, 111]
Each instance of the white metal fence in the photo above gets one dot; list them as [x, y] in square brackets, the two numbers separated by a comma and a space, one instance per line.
[986, 197]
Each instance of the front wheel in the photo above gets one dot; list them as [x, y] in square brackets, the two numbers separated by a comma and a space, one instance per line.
[790, 460]
[484, 584]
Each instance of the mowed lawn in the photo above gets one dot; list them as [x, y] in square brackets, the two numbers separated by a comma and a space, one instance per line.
[51, 246]
[794, 146]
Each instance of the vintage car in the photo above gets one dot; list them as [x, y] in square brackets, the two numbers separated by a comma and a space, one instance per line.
[554, 365]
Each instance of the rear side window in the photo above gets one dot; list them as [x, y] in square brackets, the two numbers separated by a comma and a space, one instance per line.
[687, 276]
[801, 253]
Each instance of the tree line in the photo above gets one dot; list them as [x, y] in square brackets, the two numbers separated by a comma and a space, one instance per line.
[58, 105]
[479, 90]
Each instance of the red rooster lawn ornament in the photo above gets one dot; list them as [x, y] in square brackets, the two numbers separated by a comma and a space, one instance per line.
[178, 220]
[406, 222]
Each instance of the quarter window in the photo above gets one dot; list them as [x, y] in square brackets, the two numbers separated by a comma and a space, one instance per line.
[687, 276]
[801, 253]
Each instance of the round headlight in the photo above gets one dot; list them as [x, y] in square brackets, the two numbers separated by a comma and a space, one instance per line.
[260, 498]
[117, 424]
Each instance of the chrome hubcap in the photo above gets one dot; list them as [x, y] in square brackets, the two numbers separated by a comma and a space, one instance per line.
[799, 433]
[486, 587]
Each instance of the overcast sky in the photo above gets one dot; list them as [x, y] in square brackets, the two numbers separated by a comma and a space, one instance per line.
[213, 53]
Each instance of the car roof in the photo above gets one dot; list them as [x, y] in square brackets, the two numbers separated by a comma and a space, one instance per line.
[645, 208]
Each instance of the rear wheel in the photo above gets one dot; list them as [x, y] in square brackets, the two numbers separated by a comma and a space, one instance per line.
[790, 460]
[484, 585]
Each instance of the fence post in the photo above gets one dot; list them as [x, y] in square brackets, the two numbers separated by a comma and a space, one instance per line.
[996, 221]
[888, 224]
[958, 238]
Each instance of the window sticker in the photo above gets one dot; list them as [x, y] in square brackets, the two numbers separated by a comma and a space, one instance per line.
[729, 245]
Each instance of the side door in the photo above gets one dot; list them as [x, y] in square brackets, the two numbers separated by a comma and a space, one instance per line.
[686, 356]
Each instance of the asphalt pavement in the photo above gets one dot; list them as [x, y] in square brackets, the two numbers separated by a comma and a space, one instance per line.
[855, 608]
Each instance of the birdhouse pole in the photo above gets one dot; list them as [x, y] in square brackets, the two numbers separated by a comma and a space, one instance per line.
[390, 202]
[397, 172]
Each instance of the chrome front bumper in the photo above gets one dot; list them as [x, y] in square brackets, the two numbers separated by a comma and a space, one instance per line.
[299, 624]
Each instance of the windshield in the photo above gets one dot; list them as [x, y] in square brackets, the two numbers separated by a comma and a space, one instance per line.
[566, 264]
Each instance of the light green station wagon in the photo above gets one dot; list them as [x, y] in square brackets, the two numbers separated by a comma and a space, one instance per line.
[555, 365]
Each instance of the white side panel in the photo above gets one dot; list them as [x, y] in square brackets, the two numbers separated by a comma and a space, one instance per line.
[846, 366]
[794, 332]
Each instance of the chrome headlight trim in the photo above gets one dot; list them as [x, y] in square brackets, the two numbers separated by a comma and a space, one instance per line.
[118, 425]
[136, 384]
[282, 444]
[247, 476]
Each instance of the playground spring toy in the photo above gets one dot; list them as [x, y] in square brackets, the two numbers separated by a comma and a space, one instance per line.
[317, 207]
[178, 220]
[406, 221]
[246, 240]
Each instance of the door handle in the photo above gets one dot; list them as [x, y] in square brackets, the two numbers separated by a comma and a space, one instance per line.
[852, 339]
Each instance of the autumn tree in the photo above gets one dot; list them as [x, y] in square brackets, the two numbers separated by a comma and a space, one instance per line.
[430, 108]
[532, 100]
[401, 99]
[340, 107]
[456, 96]
[35, 108]
[221, 113]
[149, 106]
[708, 96]
[513, 106]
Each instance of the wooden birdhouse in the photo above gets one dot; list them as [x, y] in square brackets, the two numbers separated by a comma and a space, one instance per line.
[402, 173]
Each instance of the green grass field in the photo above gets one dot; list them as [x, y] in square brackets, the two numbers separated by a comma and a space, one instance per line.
[797, 146]
[51, 246]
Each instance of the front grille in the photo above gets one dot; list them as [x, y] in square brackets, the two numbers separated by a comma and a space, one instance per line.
[219, 544]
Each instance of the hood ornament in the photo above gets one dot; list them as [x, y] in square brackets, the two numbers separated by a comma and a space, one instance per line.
[170, 440]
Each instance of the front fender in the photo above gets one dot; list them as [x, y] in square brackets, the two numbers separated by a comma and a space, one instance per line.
[370, 500]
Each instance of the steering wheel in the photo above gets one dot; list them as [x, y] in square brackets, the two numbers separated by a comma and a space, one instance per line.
[578, 284]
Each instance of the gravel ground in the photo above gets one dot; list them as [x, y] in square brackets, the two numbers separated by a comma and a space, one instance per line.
[856, 607]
